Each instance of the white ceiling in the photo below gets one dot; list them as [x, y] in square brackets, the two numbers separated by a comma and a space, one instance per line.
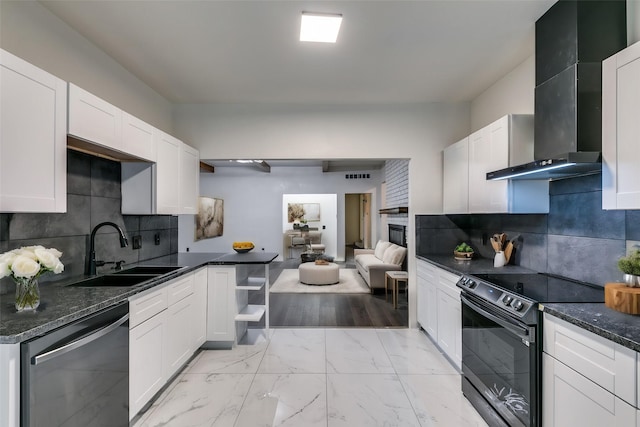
[248, 51]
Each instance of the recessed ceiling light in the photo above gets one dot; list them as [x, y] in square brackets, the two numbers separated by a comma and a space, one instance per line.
[320, 27]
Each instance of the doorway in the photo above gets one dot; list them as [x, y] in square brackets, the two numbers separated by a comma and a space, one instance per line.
[357, 223]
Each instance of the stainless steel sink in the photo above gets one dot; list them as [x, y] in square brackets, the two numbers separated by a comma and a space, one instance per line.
[114, 280]
[155, 270]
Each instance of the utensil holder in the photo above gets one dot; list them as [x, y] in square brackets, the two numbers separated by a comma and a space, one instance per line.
[499, 260]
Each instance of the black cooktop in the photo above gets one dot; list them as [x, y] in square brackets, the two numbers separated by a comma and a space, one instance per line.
[544, 288]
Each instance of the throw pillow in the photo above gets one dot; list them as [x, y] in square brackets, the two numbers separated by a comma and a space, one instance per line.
[398, 255]
[389, 254]
[381, 246]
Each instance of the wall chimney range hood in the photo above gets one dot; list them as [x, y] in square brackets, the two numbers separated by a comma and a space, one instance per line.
[572, 39]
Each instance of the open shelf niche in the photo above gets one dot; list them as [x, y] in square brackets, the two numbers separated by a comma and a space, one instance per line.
[252, 320]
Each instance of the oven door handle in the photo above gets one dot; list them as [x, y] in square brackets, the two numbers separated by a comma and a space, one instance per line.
[521, 331]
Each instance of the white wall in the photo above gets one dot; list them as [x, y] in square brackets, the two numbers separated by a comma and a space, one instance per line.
[328, 218]
[416, 132]
[512, 94]
[253, 206]
[31, 32]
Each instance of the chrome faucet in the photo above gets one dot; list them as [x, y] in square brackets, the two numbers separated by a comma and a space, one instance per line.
[91, 268]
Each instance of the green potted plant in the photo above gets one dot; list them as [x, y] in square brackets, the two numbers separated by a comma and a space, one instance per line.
[630, 266]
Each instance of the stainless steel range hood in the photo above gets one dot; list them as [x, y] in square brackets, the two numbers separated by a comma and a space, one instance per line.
[568, 165]
[572, 39]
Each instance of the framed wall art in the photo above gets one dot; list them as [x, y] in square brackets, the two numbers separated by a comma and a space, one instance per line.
[210, 218]
[303, 212]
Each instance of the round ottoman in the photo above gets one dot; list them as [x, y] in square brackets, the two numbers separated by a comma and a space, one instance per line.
[312, 274]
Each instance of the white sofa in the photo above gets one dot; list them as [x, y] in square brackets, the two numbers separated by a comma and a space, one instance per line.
[373, 263]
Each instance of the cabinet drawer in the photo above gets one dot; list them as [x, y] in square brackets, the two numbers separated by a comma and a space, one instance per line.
[180, 288]
[146, 305]
[604, 362]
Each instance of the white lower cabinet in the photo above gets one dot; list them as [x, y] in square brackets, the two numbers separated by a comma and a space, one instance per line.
[163, 322]
[200, 308]
[439, 311]
[10, 385]
[179, 342]
[570, 399]
[146, 361]
[449, 317]
[222, 305]
[587, 380]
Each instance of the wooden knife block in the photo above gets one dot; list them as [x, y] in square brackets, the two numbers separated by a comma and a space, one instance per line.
[620, 297]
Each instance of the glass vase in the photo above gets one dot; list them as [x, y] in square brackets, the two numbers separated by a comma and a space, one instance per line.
[27, 294]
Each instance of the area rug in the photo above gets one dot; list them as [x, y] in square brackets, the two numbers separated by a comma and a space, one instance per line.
[350, 283]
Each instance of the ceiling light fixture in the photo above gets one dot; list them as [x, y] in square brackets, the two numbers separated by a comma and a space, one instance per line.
[320, 27]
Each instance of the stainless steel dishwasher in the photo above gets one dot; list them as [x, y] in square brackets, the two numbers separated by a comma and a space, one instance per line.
[78, 375]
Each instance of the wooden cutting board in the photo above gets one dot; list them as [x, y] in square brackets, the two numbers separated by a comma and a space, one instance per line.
[620, 297]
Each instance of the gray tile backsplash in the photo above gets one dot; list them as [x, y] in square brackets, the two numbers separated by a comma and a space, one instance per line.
[93, 196]
[577, 239]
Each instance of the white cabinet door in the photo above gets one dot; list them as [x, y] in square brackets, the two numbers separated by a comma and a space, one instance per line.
[427, 314]
[200, 308]
[10, 385]
[569, 399]
[422, 303]
[221, 309]
[179, 343]
[449, 317]
[621, 130]
[94, 119]
[498, 158]
[167, 174]
[33, 138]
[146, 361]
[189, 179]
[432, 310]
[479, 152]
[455, 191]
[506, 142]
[488, 151]
[138, 138]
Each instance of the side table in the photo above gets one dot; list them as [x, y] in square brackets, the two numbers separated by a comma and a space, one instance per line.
[395, 277]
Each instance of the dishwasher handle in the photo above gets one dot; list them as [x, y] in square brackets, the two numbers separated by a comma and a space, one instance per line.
[80, 342]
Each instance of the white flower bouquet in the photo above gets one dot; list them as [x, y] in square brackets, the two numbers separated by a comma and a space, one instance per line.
[24, 266]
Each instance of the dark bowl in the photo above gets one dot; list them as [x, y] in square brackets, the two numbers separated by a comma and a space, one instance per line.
[243, 251]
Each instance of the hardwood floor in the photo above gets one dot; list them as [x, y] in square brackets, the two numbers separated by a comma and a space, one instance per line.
[336, 310]
[333, 310]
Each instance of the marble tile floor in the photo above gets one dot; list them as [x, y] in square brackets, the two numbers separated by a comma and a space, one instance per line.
[318, 377]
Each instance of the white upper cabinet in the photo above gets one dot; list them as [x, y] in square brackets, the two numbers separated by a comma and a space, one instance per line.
[189, 179]
[455, 195]
[100, 127]
[621, 130]
[168, 174]
[506, 142]
[93, 119]
[138, 137]
[168, 187]
[33, 129]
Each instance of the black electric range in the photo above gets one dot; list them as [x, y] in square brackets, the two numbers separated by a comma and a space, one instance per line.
[502, 341]
[520, 294]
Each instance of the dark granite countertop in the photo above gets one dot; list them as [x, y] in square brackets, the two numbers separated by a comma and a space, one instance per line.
[474, 266]
[61, 304]
[618, 327]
